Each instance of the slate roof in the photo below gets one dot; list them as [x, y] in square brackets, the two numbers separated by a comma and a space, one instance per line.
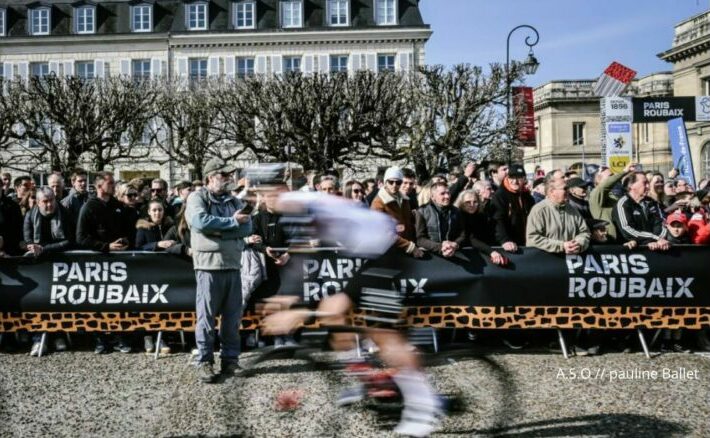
[113, 17]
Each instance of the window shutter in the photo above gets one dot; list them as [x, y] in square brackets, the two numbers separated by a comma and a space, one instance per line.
[229, 67]
[212, 66]
[125, 65]
[354, 63]
[324, 64]
[371, 61]
[23, 70]
[54, 67]
[307, 62]
[156, 68]
[277, 64]
[68, 68]
[260, 65]
[182, 67]
[7, 71]
[99, 68]
[402, 62]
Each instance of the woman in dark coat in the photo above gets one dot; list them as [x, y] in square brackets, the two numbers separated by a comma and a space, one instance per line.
[151, 232]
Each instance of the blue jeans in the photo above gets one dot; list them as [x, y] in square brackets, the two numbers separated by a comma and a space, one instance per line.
[218, 293]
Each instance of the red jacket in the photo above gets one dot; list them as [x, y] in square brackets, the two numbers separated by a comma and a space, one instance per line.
[699, 230]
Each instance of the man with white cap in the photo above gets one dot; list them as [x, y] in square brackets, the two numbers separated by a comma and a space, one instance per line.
[390, 201]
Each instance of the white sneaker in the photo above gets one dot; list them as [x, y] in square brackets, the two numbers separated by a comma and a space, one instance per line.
[420, 424]
[35, 349]
[60, 344]
[148, 344]
[163, 347]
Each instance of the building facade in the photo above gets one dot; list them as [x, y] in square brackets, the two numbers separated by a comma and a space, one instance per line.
[202, 38]
[690, 57]
[568, 125]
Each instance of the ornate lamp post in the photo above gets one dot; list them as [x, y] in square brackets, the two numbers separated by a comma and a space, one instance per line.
[529, 67]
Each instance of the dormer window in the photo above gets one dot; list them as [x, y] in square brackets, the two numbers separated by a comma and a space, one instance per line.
[244, 15]
[40, 21]
[196, 16]
[291, 13]
[85, 19]
[385, 12]
[338, 12]
[142, 18]
[3, 21]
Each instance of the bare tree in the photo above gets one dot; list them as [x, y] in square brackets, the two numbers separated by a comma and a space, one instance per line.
[10, 99]
[186, 125]
[69, 120]
[318, 121]
[454, 111]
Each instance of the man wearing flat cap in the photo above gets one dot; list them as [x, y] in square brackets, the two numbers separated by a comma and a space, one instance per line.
[217, 229]
[577, 191]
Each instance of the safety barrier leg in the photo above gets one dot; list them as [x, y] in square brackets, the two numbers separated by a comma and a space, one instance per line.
[71, 344]
[434, 340]
[182, 340]
[157, 345]
[643, 343]
[357, 345]
[563, 344]
[42, 341]
[655, 337]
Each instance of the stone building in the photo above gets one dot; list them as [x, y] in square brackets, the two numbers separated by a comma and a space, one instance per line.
[690, 56]
[568, 125]
[201, 38]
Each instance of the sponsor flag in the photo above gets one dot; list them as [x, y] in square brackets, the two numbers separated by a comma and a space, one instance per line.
[681, 150]
[614, 81]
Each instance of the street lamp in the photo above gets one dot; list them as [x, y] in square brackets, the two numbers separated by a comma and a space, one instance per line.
[529, 67]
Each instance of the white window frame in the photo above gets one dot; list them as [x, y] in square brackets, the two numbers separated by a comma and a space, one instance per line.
[578, 137]
[380, 56]
[79, 20]
[340, 68]
[188, 15]
[43, 65]
[241, 7]
[199, 76]
[283, 4]
[242, 72]
[289, 62]
[3, 22]
[77, 70]
[390, 10]
[139, 10]
[141, 62]
[39, 11]
[339, 4]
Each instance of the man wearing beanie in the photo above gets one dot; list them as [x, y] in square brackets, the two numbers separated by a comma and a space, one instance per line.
[390, 201]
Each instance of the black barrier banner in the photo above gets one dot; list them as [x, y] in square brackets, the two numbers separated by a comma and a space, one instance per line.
[663, 109]
[144, 282]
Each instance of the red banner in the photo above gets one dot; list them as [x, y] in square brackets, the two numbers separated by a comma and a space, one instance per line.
[525, 111]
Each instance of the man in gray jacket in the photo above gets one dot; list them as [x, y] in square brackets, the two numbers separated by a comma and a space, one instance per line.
[217, 229]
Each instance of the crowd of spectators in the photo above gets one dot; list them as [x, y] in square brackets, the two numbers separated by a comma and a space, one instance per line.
[495, 208]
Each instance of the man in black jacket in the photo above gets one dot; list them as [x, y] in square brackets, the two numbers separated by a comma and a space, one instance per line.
[577, 190]
[438, 223]
[511, 205]
[101, 228]
[638, 217]
[48, 226]
[78, 195]
[10, 226]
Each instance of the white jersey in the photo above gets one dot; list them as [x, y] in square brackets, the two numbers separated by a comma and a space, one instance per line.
[361, 231]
